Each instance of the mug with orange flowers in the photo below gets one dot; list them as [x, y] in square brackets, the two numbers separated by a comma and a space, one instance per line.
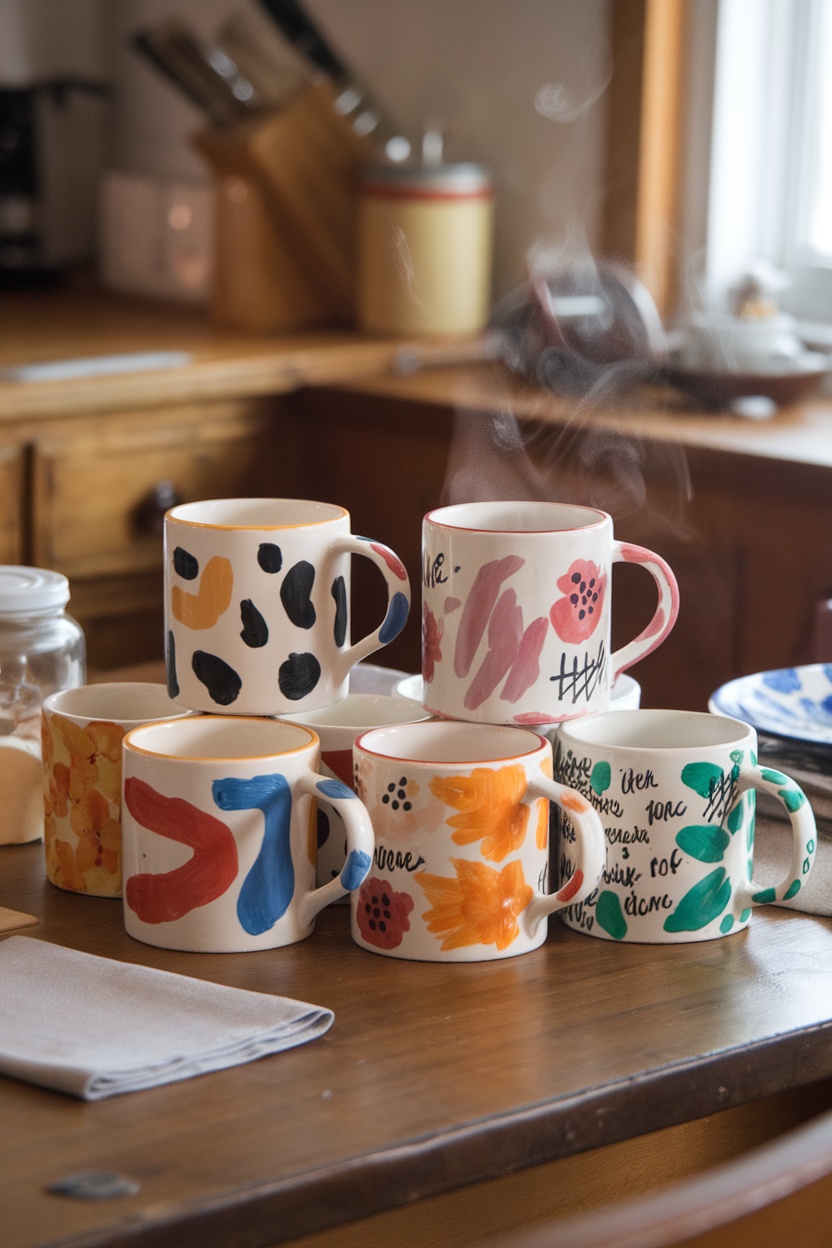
[461, 819]
[82, 730]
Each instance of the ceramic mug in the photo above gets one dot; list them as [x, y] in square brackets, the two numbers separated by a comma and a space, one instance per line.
[219, 834]
[337, 726]
[516, 611]
[82, 730]
[461, 818]
[257, 598]
[676, 791]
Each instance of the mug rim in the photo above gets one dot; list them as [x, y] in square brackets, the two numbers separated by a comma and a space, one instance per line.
[587, 730]
[132, 743]
[439, 516]
[117, 688]
[176, 514]
[437, 727]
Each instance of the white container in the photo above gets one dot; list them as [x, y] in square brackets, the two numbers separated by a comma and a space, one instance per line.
[424, 250]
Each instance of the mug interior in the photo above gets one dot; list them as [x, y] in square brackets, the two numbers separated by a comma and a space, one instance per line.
[517, 517]
[359, 711]
[213, 737]
[655, 730]
[255, 513]
[123, 702]
[450, 742]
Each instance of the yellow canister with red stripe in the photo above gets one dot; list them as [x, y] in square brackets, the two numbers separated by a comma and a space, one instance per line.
[424, 249]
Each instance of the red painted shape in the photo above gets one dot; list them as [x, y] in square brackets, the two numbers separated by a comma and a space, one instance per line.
[505, 630]
[525, 669]
[478, 607]
[569, 890]
[575, 621]
[165, 897]
[393, 562]
[339, 762]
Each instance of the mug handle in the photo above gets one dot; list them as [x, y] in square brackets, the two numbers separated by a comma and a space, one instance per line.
[804, 833]
[592, 845]
[666, 611]
[360, 843]
[398, 599]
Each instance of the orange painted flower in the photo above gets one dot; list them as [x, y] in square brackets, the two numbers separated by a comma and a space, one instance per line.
[479, 907]
[490, 802]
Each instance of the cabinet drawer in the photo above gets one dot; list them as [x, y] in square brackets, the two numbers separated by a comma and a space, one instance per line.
[11, 503]
[92, 481]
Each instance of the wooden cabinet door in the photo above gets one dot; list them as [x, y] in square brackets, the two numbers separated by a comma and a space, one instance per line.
[12, 476]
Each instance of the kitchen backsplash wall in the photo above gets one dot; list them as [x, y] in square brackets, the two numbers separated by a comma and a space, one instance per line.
[515, 84]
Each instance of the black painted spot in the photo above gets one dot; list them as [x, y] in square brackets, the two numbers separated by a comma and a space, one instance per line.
[270, 557]
[298, 676]
[339, 593]
[170, 666]
[218, 677]
[255, 629]
[295, 591]
[185, 564]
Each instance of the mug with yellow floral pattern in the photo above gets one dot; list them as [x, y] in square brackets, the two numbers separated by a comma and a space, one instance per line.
[82, 730]
[460, 813]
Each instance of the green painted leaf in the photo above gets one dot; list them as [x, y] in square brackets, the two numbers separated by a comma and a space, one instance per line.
[601, 776]
[701, 904]
[608, 914]
[703, 842]
[726, 924]
[745, 914]
[765, 896]
[774, 777]
[736, 756]
[734, 820]
[793, 797]
[792, 891]
[702, 777]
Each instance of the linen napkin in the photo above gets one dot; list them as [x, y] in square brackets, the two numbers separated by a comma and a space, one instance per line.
[93, 1027]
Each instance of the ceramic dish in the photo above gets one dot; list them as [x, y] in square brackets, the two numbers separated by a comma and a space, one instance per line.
[626, 692]
[793, 702]
[719, 389]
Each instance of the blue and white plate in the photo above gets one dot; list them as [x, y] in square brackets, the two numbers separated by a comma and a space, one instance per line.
[792, 702]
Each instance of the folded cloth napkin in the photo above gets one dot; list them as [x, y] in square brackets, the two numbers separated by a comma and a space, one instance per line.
[93, 1027]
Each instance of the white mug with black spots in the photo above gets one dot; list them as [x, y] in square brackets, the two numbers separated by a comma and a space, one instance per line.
[257, 594]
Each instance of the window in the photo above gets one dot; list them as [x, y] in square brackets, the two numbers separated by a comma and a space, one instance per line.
[770, 192]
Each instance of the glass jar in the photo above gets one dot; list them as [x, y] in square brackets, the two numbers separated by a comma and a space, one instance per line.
[42, 648]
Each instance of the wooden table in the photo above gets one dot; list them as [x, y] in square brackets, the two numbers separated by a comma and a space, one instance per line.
[432, 1077]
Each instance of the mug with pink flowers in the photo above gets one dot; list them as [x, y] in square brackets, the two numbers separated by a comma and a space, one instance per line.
[516, 611]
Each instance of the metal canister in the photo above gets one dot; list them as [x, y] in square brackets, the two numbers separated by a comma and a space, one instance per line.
[425, 249]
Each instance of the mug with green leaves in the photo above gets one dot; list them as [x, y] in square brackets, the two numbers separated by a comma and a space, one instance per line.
[676, 792]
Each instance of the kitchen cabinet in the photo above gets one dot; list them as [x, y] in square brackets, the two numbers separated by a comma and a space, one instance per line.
[740, 509]
[741, 513]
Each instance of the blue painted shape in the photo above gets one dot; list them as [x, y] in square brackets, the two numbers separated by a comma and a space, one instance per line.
[827, 671]
[355, 870]
[334, 788]
[784, 681]
[395, 619]
[270, 884]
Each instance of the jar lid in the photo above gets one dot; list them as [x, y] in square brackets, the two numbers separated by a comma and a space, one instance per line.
[458, 181]
[31, 589]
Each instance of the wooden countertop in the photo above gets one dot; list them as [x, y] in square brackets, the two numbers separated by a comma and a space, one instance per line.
[225, 363]
[81, 322]
[431, 1077]
[801, 434]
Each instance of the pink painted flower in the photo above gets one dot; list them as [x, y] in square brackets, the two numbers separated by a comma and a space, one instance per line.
[432, 630]
[575, 616]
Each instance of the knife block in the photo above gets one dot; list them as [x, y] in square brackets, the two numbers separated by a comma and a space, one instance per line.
[286, 215]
